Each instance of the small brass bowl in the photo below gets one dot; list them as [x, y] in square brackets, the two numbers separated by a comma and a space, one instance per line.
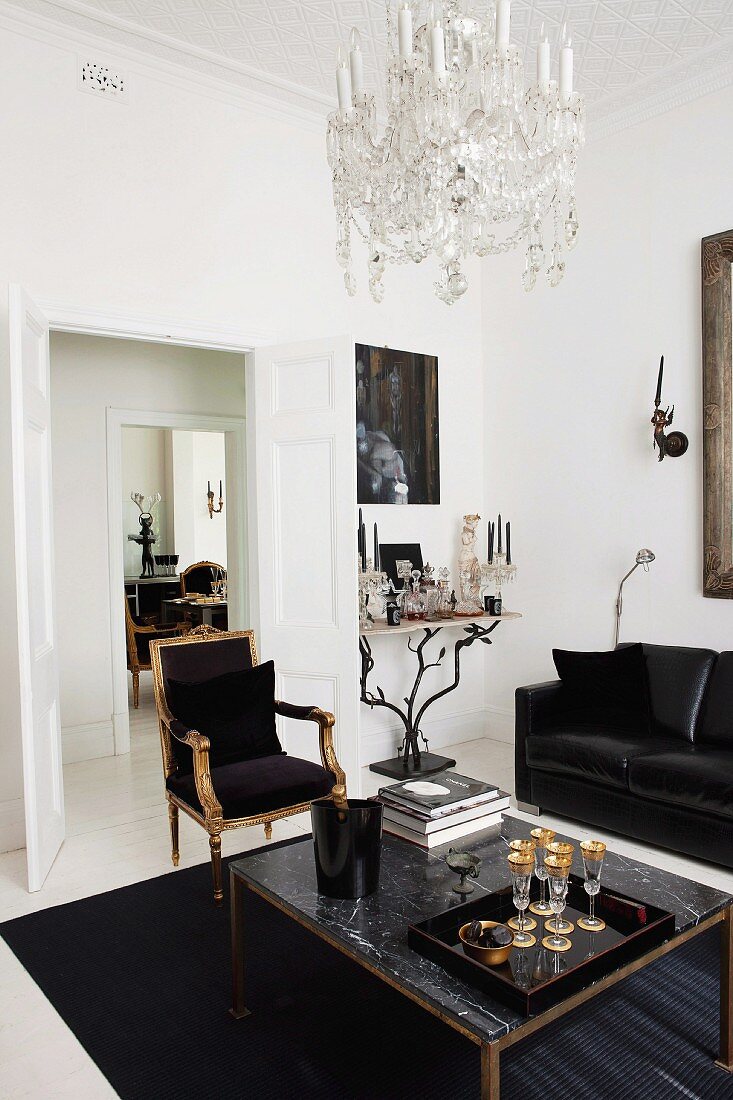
[489, 956]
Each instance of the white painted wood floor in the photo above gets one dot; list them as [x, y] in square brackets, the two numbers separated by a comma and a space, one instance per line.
[117, 833]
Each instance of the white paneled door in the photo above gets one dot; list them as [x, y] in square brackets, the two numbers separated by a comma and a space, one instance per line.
[301, 404]
[32, 507]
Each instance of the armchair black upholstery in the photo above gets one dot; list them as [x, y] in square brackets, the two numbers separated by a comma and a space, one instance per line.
[206, 774]
[670, 785]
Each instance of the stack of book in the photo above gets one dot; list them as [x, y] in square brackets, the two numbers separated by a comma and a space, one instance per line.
[441, 810]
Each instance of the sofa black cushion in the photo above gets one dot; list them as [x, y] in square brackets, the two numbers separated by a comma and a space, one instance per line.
[259, 786]
[696, 777]
[607, 689]
[716, 722]
[677, 677]
[590, 753]
[236, 711]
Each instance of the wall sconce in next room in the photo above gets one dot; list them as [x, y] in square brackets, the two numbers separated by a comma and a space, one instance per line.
[210, 501]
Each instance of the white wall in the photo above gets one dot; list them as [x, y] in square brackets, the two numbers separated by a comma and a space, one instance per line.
[199, 458]
[184, 205]
[570, 377]
[89, 374]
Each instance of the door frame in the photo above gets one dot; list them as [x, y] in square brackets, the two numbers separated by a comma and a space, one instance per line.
[234, 431]
[86, 321]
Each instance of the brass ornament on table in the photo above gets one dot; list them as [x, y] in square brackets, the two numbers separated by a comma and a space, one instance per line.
[465, 864]
[489, 956]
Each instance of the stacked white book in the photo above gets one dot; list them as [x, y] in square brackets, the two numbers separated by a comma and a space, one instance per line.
[437, 811]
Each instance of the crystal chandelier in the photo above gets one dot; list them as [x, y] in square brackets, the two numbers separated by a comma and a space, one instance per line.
[470, 161]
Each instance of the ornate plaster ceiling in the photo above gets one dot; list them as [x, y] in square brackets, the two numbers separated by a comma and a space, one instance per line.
[633, 57]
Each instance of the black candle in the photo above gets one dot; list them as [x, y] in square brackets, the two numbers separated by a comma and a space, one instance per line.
[208, 483]
[488, 541]
[220, 492]
[491, 543]
[498, 545]
[363, 546]
[658, 397]
[508, 543]
[358, 535]
[376, 548]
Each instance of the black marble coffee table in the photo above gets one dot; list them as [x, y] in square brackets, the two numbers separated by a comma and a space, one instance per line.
[414, 885]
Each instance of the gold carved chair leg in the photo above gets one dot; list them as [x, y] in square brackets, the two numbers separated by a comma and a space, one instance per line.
[173, 821]
[136, 690]
[268, 830]
[215, 846]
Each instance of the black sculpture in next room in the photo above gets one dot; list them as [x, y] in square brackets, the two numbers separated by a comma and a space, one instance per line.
[674, 443]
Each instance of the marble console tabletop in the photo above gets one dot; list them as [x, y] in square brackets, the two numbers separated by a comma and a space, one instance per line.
[409, 625]
[415, 885]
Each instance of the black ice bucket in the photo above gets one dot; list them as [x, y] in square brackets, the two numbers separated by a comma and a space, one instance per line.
[347, 838]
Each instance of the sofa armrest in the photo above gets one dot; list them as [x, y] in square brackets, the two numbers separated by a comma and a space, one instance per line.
[536, 706]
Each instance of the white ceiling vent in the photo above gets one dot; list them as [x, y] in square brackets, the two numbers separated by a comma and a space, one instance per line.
[102, 80]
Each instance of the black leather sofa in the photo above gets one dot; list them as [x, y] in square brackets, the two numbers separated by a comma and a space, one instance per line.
[671, 786]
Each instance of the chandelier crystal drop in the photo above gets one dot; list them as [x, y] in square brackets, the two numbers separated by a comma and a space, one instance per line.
[471, 160]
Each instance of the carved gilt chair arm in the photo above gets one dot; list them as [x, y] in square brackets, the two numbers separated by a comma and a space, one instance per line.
[325, 722]
[199, 745]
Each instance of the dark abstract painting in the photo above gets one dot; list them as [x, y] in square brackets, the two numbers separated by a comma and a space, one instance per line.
[397, 451]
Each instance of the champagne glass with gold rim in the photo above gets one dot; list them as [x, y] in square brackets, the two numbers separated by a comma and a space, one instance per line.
[541, 837]
[565, 849]
[520, 865]
[593, 853]
[527, 922]
[558, 869]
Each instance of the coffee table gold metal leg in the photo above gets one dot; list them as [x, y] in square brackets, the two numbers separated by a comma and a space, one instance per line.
[725, 1061]
[489, 1071]
[236, 893]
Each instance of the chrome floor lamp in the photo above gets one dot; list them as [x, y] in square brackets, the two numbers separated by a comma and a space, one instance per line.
[644, 557]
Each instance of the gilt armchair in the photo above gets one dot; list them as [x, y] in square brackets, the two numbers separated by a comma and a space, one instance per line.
[223, 764]
[138, 636]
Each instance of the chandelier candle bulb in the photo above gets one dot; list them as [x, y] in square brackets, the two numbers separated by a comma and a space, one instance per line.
[543, 62]
[343, 80]
[502, 24]
[566, 68]
[356, 63]
[404, 32]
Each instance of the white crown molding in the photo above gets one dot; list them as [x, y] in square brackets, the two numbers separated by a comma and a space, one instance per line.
[182, 68]
[71, 23]
[710, 72]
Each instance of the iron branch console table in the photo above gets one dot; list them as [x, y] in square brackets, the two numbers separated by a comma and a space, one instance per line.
[410, 761]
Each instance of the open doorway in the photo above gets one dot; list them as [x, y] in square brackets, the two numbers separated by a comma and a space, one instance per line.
[161, 421]
[175, 540]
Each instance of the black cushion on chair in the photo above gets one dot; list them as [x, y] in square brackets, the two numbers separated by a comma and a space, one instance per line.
[259, 786]
[236, 711]
[605, 689]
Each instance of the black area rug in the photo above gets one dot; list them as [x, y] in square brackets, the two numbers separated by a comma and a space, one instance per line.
[141, 975]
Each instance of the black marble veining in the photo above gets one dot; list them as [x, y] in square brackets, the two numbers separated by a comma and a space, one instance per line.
[415, 884]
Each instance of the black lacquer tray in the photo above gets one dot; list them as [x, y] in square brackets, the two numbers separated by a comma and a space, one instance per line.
[534, 978]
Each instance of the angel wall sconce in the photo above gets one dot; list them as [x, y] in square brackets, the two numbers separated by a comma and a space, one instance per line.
[674, 443]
